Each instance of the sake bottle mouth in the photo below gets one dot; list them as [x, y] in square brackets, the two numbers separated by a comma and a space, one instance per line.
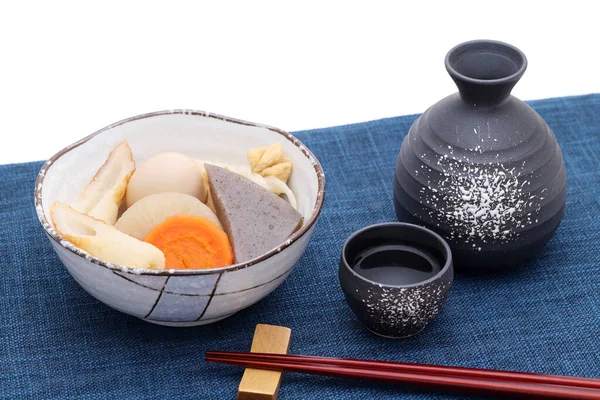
[486, 62]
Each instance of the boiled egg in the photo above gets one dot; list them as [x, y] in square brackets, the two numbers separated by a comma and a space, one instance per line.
[167, 172]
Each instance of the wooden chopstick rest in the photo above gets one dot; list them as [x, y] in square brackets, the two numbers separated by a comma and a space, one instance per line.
[259, 384]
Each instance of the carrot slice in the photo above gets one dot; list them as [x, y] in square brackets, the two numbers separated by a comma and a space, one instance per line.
[191, 242]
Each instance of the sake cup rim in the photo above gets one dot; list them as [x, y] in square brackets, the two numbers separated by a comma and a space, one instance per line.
[402, 227]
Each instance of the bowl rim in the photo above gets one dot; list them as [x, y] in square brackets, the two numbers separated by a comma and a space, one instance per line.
[54, 235]
[404, 226]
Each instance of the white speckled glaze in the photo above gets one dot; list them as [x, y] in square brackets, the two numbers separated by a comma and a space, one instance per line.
[179, 297]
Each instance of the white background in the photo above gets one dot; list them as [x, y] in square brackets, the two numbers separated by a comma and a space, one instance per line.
[68, 69]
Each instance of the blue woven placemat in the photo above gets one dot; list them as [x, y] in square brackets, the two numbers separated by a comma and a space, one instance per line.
[56, 341]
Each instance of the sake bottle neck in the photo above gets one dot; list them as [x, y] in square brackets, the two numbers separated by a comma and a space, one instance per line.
[485, 71]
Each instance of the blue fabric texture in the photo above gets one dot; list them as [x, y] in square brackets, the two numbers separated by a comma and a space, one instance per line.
[56, 341]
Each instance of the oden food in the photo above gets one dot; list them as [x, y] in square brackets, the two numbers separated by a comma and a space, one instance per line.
[181, 213]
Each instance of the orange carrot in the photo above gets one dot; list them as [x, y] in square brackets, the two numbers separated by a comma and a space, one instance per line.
[190, 242]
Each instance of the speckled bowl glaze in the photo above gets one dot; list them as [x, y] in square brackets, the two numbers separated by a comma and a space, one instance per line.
[396, 311]
[179, 297]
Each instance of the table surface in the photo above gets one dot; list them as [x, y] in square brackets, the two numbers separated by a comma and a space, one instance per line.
[73, 67]
[56, 341]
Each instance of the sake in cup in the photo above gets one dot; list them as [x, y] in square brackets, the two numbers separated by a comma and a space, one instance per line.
[396, 277]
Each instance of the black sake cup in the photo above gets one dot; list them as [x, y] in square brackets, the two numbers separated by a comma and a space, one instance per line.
[397, 310]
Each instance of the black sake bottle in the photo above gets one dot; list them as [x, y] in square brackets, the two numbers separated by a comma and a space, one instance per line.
[481, 167]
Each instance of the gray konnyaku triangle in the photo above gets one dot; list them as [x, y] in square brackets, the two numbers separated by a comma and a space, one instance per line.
[255, 219]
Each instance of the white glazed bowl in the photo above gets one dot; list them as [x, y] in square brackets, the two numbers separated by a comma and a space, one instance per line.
[179, 297]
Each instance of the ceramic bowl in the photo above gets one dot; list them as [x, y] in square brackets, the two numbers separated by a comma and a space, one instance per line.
[179, 297]
[397, 310]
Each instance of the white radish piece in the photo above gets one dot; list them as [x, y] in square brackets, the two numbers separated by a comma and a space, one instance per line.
[145, 214]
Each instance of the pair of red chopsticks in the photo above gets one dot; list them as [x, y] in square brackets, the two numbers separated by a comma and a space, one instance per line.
[428, 376]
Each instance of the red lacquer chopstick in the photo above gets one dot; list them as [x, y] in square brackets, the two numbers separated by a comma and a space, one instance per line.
[418, 368]
[431, 376]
